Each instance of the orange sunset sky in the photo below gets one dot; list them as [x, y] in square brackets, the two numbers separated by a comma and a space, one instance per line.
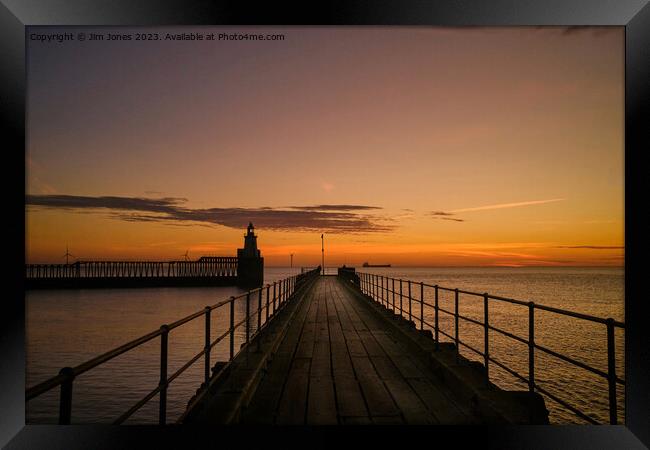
[414, 146]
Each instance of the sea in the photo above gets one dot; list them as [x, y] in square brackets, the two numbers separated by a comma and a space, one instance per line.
[69, 327]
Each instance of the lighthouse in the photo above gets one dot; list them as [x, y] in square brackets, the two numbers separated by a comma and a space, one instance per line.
[250, 264]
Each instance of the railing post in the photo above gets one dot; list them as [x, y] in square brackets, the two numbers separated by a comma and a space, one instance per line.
[259, 309]
[611, 372]
[248, 316]
[410, 316]
[421, 305]
[393, 290]
[232, 327]
[387, 297]
[436, 319]
[268, 287]
[401, 299]
[531, 346]
[486, 342]
[162, 411]
[65, 401]
[207, 345]
[377, 288]
[456, 321]
[274, 296]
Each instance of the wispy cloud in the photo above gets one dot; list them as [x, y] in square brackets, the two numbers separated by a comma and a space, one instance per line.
[507, 205]
[170, 210]
[593, 247]
[334, 208]
[442, 215]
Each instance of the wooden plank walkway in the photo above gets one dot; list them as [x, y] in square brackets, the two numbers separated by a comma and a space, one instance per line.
[340, 364]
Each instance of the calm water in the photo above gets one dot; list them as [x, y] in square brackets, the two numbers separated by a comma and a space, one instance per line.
[66, 328]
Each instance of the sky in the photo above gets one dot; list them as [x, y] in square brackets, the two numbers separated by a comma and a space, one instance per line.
[414, 146]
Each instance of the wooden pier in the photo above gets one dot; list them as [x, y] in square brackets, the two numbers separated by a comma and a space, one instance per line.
[332, 356]
[244, 270]
[350, 349]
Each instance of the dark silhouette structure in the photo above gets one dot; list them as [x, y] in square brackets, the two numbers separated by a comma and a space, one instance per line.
[250, 264]
[245, 270]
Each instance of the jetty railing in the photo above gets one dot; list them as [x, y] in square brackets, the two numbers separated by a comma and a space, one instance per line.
[276, 296]
[221, 266]
[382, 289]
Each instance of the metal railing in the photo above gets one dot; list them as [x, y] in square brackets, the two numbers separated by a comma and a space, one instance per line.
[276, 295]
[383, 290]
[223, 266]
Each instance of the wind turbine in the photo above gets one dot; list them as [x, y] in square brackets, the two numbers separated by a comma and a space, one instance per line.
[67, 255]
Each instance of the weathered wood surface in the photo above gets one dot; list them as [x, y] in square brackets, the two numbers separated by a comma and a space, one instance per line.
[340, 364]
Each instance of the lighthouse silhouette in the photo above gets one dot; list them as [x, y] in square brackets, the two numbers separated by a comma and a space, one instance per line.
[250, 264]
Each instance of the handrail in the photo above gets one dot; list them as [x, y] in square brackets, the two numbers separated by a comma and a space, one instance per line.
[377, 288]
[223, 266]
[285, 290]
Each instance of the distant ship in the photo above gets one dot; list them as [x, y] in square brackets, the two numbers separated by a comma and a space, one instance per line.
[365, 264]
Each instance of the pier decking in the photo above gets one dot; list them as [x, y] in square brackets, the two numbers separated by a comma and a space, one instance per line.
[349, 349]
[336, 358]
[340, 364]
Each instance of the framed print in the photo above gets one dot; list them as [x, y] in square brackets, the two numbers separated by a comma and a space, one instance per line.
[391, 221]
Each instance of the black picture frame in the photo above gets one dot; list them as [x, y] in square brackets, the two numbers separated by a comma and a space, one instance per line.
[15, 15]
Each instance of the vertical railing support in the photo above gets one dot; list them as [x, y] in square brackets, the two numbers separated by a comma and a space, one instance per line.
[232, 328]
[421, 305]
[436, 319]
[268, 287]
[259, 309]
[248, 316]
[365, 283]
[401, 299]
[531, 346]
[410, 317]
[207, 345]
[456, 321]
[65, 401]
[393, 290]
[486, 339]
[611, 372]
[274, 296]
[164, 339]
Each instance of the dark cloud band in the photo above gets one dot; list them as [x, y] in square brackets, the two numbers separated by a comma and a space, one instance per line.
[323, 218]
